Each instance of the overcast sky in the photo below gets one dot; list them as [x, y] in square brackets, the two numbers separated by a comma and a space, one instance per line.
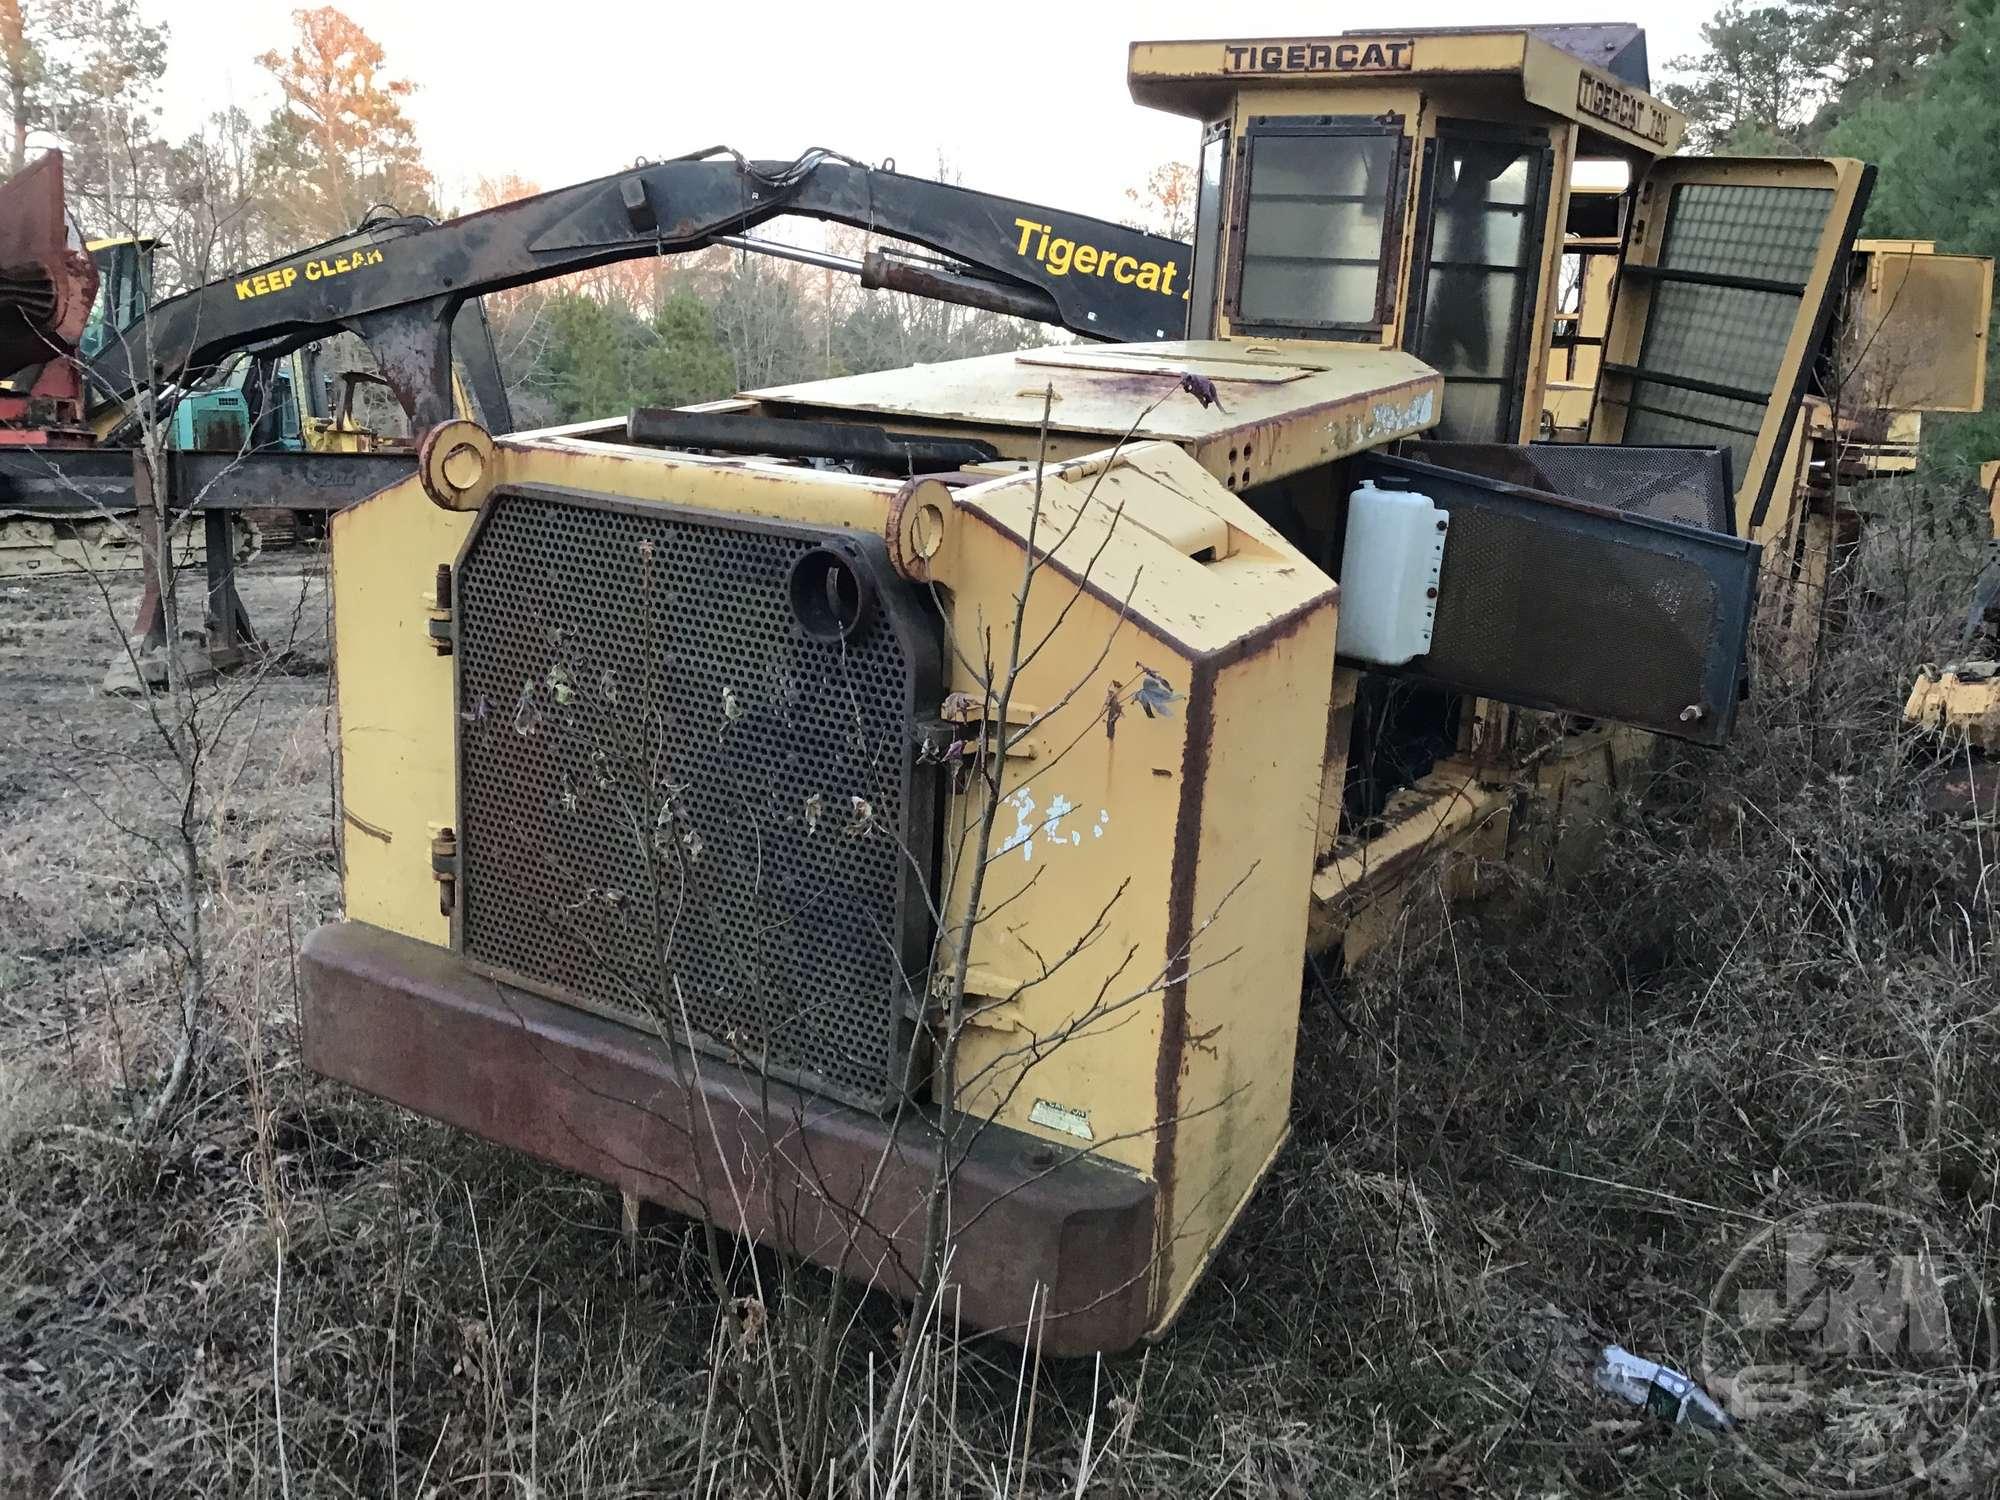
[1025, 98]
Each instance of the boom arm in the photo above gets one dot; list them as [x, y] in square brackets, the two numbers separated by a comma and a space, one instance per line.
[400, 284]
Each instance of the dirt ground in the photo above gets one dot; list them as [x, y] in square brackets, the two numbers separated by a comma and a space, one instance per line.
[1518, 1137]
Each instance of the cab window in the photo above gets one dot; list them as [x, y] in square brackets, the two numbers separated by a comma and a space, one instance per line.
[124, 291]
[1207, 232]
[1487, 196]
[1318, 207]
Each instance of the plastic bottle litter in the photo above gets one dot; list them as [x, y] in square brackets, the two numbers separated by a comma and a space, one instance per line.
[1664, 1393]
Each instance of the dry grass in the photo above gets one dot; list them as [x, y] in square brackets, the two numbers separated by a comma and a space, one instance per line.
[1520, 1134]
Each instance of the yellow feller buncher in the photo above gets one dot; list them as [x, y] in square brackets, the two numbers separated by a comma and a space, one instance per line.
[894, 811]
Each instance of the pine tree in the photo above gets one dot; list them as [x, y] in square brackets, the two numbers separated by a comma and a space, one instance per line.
[1938, 161]
[684, 363]
[1877, 50]
[1756, 84]
[340, 141]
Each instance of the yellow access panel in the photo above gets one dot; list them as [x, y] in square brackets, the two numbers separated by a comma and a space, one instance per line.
[1916, 328]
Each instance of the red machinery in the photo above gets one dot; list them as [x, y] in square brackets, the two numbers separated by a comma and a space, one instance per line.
[48, 284]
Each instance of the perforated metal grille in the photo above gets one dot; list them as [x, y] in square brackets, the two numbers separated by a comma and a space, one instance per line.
[672, 800]
[1733, 336]
[1687, 485]
[1538, 612]
[1555, 604]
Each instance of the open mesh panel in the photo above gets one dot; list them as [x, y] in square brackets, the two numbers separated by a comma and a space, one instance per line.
[1550, 603]
[1726, 296]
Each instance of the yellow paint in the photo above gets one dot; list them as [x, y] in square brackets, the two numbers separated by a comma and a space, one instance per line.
[1252, 884]
[1281, 410]
[1201, 78]
[1570, 373]
[319, 268]
[1296, 55]
[398, 776]
[1085, 842]
[338, 434]
[1359, 895]
[1915, 333]
[1962, 700]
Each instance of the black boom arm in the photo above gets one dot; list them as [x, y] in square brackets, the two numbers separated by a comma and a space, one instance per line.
[400, 284]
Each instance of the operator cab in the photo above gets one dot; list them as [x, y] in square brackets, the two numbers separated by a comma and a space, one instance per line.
[1407, 190]
[124, 288]
[1414, 190]
[1468, 196]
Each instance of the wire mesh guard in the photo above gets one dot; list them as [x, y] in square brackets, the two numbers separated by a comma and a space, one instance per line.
[1553, 604]
[1734, 336]
[1510, 618]
[678, 807]
[1687, 485]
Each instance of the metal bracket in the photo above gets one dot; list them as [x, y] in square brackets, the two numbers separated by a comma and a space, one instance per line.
[438, 626]
[639, 210]
[444, 868]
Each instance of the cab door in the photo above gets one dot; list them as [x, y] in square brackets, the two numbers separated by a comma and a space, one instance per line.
[1727, 284]
[1483, 211]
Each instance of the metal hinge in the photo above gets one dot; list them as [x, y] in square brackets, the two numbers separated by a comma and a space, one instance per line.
[438, 627]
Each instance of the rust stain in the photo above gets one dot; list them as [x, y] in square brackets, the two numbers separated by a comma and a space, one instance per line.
[1180, 934]
[1276, 629]
[413, 1023]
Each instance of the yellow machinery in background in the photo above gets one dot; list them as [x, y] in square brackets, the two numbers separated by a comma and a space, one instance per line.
[1911, 340]
[1592, 237]
[662, 738]
[1962, 698]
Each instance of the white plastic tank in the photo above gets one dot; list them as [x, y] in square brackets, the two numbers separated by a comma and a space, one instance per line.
[1389, 574]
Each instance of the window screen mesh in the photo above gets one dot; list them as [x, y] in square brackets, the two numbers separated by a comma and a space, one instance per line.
[1771, 232]
[1732, 336]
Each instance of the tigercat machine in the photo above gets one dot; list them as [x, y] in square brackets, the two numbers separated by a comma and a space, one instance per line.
[659, 736]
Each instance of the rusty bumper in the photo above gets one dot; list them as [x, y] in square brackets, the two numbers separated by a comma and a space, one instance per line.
[841, 1187]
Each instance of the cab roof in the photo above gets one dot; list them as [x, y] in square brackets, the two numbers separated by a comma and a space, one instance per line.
[1594, 76]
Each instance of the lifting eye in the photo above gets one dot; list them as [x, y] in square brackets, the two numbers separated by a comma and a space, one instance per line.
[831, 598]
